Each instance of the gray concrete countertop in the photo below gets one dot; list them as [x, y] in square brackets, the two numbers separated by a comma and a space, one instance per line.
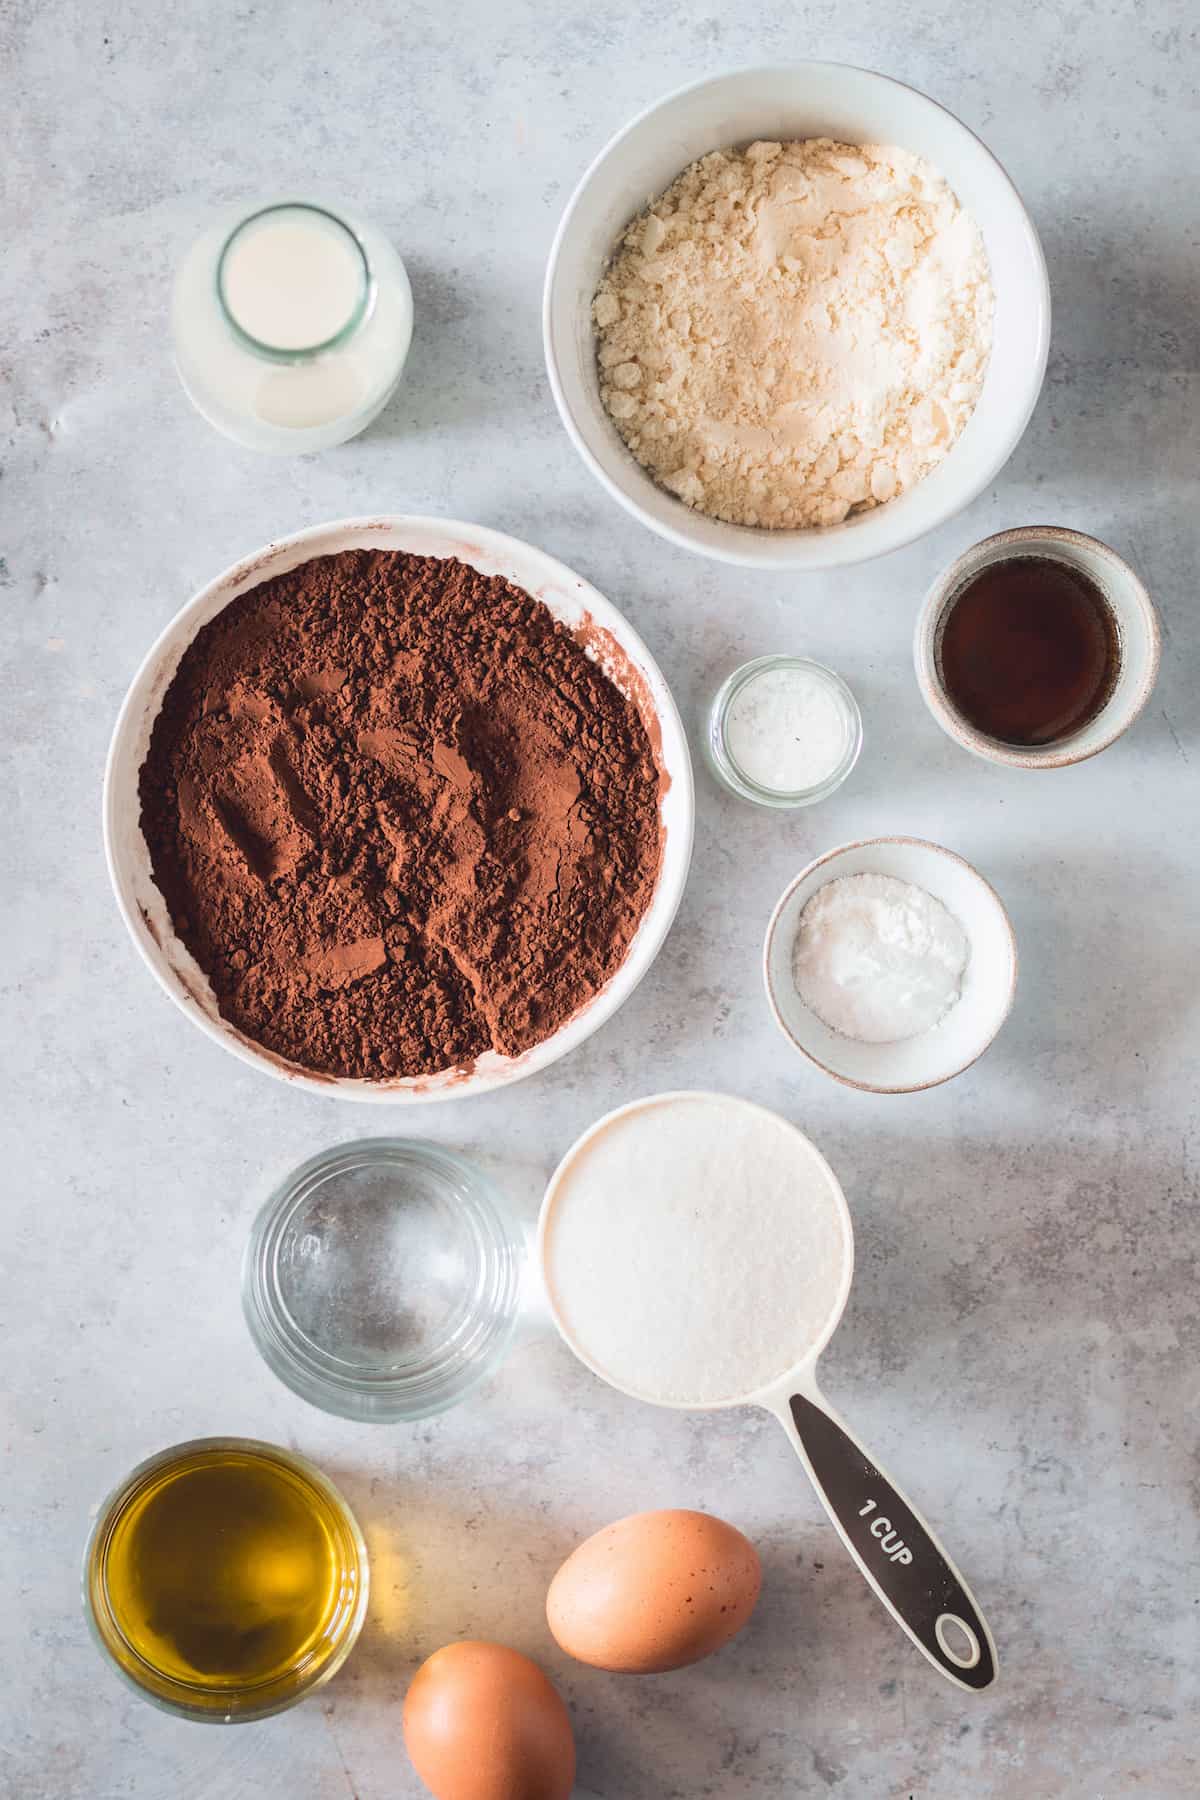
[1022, 1340]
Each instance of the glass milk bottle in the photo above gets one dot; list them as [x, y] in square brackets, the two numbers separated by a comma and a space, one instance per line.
[291, 326]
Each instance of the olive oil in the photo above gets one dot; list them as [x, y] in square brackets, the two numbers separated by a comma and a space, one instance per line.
[227, 1578]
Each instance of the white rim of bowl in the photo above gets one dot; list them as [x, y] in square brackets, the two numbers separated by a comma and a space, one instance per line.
[835, 534]
[673, 872]
[933, 690]
[871, 1087]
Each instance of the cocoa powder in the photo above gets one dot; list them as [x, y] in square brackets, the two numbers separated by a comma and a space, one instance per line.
[398, 815]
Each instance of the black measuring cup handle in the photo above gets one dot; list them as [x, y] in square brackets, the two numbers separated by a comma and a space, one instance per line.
[891, 1544]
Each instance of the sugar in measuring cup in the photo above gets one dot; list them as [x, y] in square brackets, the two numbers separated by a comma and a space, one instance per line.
[697, 1253]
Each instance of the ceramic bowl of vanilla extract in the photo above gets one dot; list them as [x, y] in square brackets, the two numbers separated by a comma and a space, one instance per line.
[1038, 648]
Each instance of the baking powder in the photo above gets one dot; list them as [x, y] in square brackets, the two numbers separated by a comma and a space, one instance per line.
[878, 959]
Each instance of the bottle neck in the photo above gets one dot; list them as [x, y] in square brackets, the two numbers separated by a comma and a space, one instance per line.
[294, 282]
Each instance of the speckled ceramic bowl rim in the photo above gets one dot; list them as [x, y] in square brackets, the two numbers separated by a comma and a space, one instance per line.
[1054, 756]
[871, 1087]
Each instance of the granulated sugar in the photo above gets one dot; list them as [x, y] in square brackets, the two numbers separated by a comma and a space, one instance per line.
[878, 959]
[794, 332]
[695, 1248]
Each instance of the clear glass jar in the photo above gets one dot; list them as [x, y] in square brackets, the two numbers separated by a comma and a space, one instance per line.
[723, 760]
[253, 291]
[383, 1280]
[225, 1579]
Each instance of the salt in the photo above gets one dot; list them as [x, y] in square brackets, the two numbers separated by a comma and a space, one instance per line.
[878, 959]
[787, 729]
[695, 1249]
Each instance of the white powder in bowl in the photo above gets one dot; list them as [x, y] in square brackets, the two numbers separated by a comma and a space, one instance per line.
[695, 1248]
[794, 332]
[787, 729]
[878, 959]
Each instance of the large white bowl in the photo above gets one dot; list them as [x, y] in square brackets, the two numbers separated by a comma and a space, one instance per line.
[809, 99]
[618, 648]
[989, 982]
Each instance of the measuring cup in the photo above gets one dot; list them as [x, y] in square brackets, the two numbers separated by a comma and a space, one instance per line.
[894, 1548]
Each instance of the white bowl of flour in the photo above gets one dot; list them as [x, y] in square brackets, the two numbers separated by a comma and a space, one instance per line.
[789, 106]
[891, 964]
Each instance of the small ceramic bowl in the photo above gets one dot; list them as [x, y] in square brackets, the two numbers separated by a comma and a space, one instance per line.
[989, 983]
[1138, 636]
[803, 100]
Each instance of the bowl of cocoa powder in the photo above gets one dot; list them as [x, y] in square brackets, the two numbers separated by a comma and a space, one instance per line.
[399, 809]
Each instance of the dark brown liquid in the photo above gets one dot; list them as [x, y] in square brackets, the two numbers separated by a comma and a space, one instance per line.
[1029, 651]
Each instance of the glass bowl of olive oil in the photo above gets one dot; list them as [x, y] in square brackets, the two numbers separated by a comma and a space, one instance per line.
[226, 1579]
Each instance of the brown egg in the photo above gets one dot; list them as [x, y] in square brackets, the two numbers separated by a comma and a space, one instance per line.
[481, 1722]
[655, 1591]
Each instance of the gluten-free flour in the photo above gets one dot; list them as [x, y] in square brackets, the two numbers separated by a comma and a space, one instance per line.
[695, 1248]
[794, 332]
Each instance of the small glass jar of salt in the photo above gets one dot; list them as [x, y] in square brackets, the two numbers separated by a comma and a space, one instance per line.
[783, 731]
